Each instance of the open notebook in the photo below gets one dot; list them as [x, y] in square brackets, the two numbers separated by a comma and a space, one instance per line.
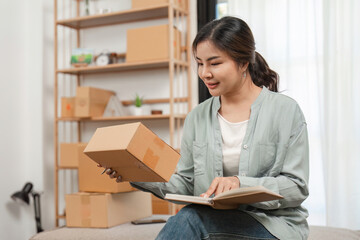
[230, 199]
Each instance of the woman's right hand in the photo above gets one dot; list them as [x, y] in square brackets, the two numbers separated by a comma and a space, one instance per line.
[111, 173]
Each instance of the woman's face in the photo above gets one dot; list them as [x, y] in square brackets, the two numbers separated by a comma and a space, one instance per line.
[222, 75]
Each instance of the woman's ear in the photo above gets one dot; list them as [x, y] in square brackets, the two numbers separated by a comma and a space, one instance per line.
[244, 66]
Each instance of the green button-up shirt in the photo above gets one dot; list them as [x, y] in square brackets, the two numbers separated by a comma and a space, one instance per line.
[274, 154]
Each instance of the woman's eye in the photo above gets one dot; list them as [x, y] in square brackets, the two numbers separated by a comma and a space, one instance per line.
[214, 64]
[200, 64]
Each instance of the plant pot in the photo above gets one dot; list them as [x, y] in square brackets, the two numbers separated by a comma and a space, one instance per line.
[139, 111]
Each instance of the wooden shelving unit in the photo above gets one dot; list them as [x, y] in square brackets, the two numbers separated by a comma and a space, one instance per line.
[169, 11]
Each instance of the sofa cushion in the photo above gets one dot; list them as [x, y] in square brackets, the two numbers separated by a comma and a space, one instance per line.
[331, 233]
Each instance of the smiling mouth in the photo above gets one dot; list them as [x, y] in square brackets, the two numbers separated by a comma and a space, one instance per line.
[212, 85]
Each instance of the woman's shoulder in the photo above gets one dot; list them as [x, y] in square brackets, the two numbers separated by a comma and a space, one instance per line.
[280, 98]
[280, 103]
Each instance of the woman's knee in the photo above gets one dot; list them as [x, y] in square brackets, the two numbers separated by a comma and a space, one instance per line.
[187, 213]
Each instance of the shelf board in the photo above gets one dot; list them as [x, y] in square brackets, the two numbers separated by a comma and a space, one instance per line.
[119, 67]
[131, 15]
[122, 118]
[67, 168]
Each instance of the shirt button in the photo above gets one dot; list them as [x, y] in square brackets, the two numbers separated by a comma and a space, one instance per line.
[243, 174]
[245, 146]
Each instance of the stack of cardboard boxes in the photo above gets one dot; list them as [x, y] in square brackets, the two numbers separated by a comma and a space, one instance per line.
[101, 202]
[137, 154]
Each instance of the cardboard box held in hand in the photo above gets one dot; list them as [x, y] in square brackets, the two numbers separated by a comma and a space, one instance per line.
[134, 152]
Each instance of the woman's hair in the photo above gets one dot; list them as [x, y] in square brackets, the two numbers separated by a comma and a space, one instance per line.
[233, 36]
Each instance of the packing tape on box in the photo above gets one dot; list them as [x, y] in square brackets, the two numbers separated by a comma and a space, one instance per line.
[150, 159]
[85, 211]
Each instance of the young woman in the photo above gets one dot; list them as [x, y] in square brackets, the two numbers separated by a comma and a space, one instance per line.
[247, 134]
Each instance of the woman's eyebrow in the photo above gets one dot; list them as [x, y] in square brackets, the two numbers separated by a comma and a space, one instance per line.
[210, 58]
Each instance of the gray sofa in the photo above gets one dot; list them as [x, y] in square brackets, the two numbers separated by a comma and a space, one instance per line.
[129, 231]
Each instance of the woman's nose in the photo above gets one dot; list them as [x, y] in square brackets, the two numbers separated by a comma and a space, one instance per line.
[206, 73]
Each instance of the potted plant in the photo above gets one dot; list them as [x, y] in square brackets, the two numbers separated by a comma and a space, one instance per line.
[138, 111]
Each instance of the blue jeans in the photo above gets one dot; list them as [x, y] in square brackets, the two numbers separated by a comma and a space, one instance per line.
[203, 222]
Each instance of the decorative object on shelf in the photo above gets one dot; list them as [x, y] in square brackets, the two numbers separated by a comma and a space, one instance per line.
[156, 112]
[23, 196]
[106, 58]
[139, 110]
[114, 108]
[87, 11]
[81, 57]
[104, 10]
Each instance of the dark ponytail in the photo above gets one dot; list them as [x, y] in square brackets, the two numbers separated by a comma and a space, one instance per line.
[233, 36]
[262, 75]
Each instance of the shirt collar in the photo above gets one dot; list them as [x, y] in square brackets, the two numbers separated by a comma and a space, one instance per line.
[257, 102]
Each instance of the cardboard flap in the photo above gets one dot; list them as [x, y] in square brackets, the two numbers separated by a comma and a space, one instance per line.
[111, 138]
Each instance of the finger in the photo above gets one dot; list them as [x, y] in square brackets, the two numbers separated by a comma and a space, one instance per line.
[108, 171]
[236, 182]
[99, 165]
[119, 179]
[212, 187]
[220, 188]
[113, 174]
[227, 187]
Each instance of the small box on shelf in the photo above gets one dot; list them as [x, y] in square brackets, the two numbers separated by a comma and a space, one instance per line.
[91, 102]
[151, 43]
[150, 3]
[67, 106]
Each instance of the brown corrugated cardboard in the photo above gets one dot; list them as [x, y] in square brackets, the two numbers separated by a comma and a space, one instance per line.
[151, 3]
[91, 179]
[103, 210]
[134, 151]
[67, 107]
[91, 102]
[151, 43]
[160, 206]
[70, 154]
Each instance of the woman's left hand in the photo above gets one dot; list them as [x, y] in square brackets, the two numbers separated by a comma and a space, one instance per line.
[221, 184]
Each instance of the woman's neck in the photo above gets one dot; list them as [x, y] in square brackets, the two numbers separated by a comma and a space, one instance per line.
[236, 107]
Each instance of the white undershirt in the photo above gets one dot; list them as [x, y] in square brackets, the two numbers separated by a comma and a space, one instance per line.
[232, 137]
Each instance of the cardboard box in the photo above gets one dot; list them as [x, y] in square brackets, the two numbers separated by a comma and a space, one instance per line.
[67, 107]
[91, 179]
[134, 151]
[151, 3]
[70, 154]
[160, 206]
[103, 210]
[91, 102]
[151, 43]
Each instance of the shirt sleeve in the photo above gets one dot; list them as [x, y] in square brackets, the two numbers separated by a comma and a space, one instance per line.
[182, 181]
[292, 181]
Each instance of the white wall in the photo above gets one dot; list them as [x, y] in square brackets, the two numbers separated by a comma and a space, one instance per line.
[26, 105]
[21, 112]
